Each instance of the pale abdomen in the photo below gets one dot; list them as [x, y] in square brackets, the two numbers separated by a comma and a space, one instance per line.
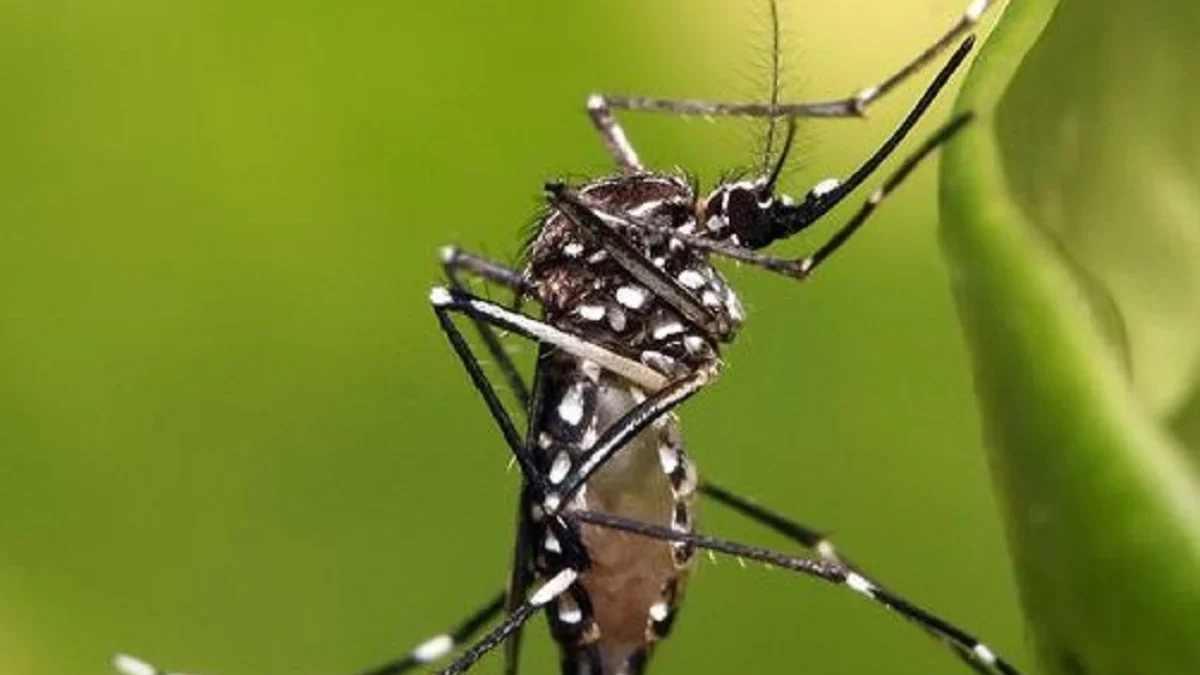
[634, 583]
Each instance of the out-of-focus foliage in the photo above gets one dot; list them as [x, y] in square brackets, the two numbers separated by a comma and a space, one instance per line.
[233, 440]
[1072, 230]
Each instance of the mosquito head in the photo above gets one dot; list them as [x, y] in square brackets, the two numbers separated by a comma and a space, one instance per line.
[744, 213]
[750, 213]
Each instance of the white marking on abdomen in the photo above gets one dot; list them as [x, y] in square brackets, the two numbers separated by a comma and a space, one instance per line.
[570, 408]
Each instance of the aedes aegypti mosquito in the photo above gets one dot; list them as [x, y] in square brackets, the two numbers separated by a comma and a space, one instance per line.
[633, 316]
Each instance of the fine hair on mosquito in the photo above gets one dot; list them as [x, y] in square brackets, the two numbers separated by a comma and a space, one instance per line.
[633, 315]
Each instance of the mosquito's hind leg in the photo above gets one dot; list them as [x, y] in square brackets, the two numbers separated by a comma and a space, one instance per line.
[812, 540]
[967, 647]
[433, 649]
[807, 537]
[547, 592]
[439, 646]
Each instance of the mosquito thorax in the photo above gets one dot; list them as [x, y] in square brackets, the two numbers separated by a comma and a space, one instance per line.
[582, 289]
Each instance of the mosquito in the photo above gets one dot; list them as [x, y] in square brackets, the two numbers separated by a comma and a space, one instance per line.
[633, 316]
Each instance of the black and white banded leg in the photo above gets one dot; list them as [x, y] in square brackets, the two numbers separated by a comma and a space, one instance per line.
[830, 571]
[547, 592]
[439, 646]
[433, 649]
[507, 601]
[812, 540]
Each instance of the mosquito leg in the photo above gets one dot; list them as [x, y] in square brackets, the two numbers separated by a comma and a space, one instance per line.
[439, 646]
[455, 261]
[600, 111]
[811, 540]
[619, 433]
[446, 301]
[543, 595]
[856, 105]
[831, 572]
[580, 210]
[520, 577]
[853, 106]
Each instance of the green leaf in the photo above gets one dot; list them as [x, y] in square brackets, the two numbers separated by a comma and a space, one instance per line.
[1071, 228]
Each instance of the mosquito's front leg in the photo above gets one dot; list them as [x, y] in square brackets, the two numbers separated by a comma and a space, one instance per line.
[812, 540]
[856, 105]
[853, 106]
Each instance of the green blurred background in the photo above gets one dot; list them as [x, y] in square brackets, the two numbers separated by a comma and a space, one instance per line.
[234, 441]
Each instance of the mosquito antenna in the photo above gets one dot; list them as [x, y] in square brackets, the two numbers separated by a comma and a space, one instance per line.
[776, 69]
[768, 188]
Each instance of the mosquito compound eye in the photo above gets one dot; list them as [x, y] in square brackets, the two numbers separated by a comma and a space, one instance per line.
[748, 217]
[741, 207]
